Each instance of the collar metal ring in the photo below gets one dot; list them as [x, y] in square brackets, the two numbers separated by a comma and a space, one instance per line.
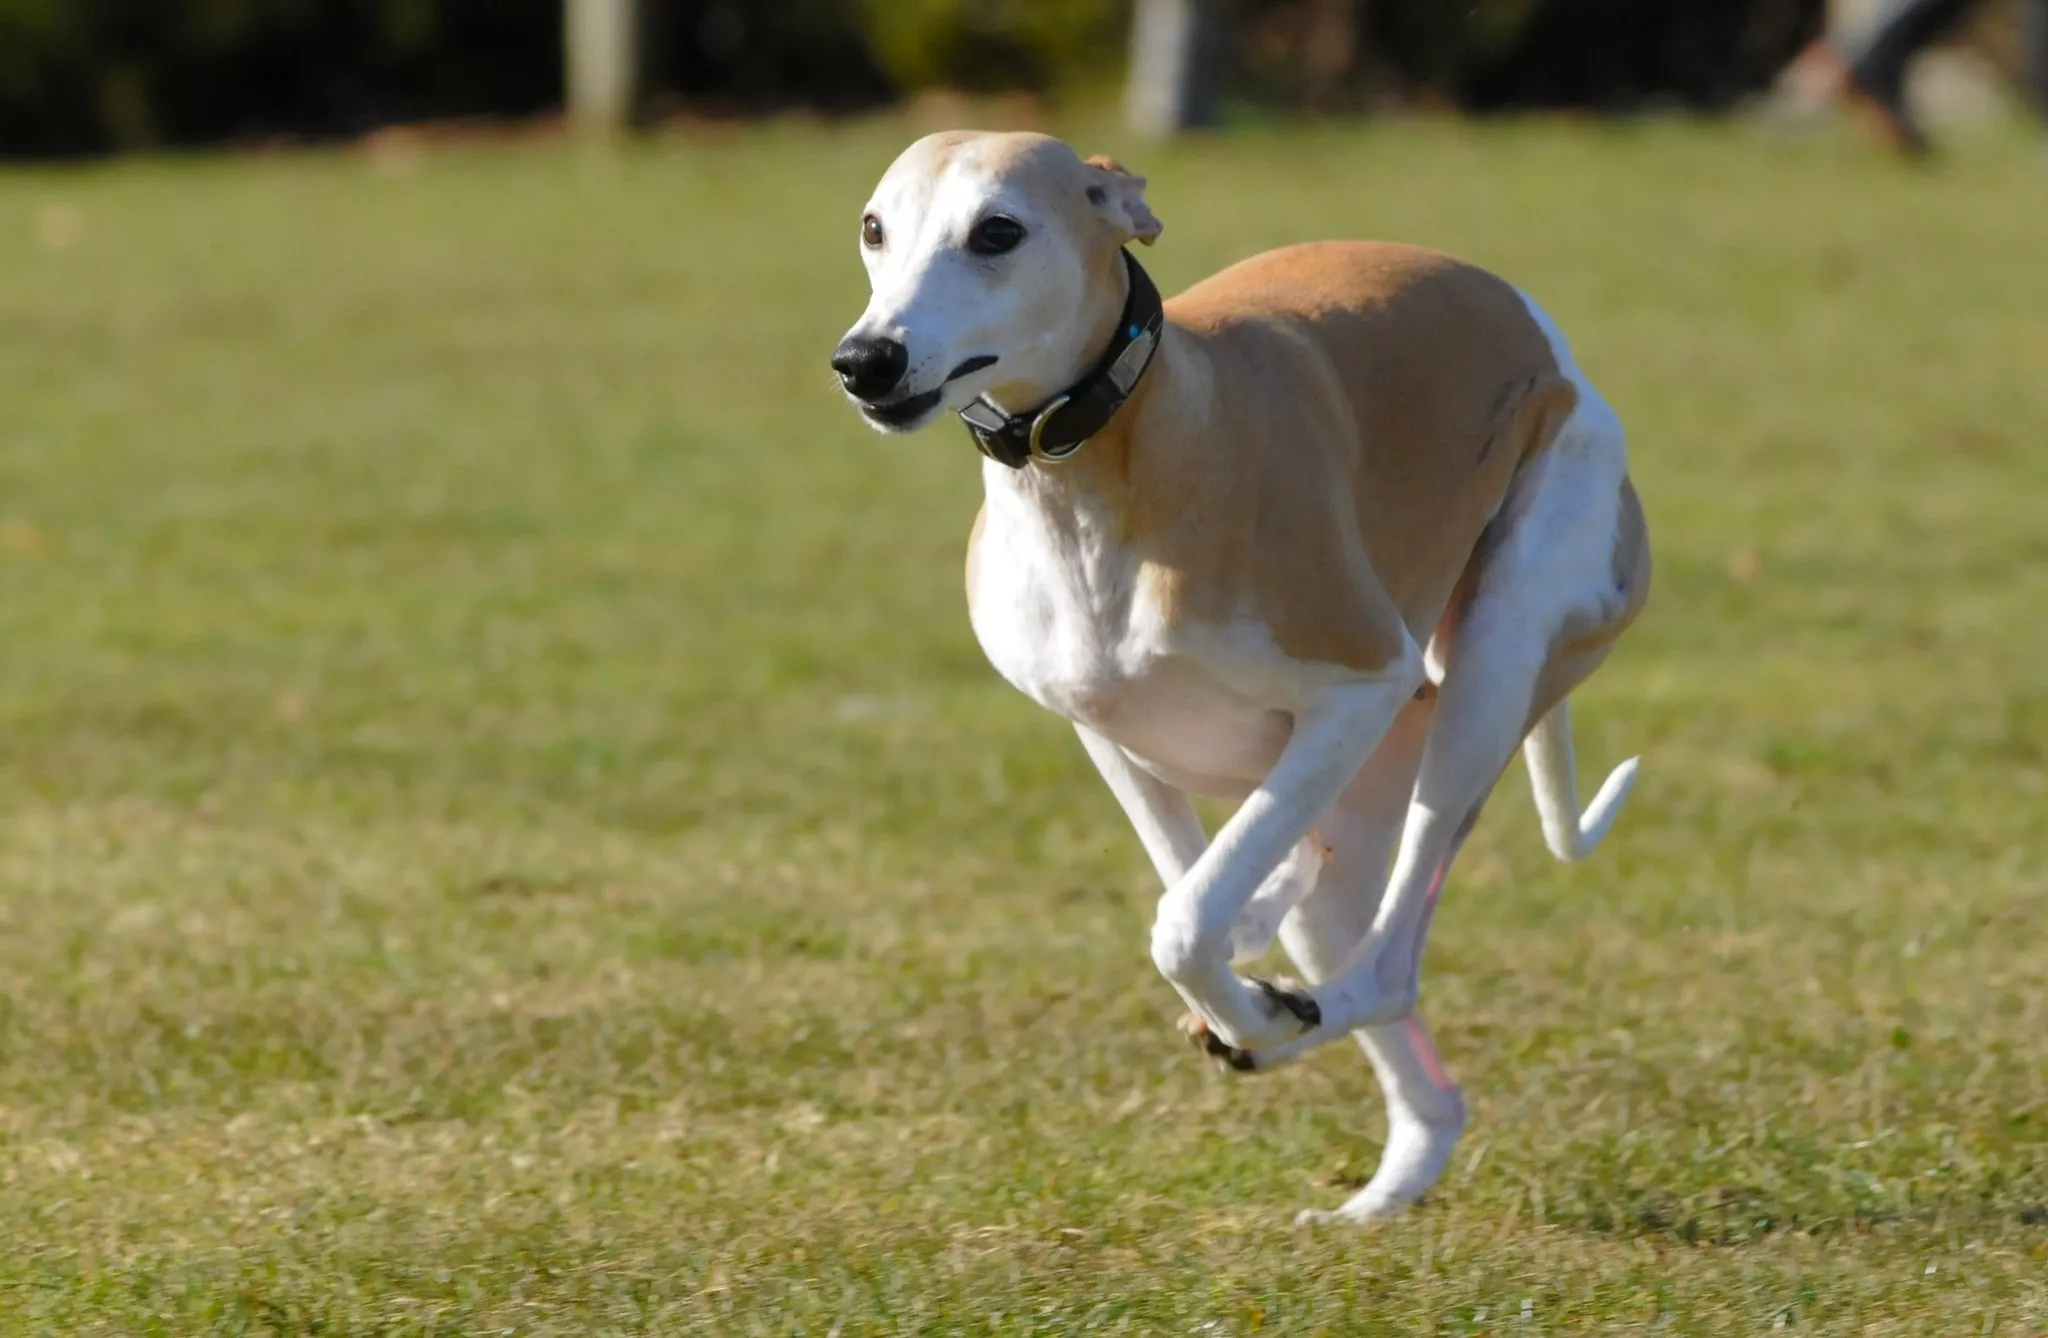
[1037, 448]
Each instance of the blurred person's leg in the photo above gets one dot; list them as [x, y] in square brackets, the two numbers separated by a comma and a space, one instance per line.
[1877, 58]
[1880, 54]
[2037, 55]
[2036, 33]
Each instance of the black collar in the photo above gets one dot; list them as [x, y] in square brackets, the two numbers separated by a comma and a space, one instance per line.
[1059, 427]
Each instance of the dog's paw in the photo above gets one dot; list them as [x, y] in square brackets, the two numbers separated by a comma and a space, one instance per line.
[1345, 1217]
[1292, 997]
[1416, 1154]
[1226, 1055]
[1284, 1000]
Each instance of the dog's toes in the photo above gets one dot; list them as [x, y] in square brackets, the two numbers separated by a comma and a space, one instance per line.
[1362, 1211]
[1234, 1059]
[1209, 1043]
[1313, 1217]
[1292, 998]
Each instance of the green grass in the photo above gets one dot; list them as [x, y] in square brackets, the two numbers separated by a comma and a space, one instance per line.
[504, 828]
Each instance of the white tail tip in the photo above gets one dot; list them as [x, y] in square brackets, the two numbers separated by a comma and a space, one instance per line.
[1605, 808]
[1571, 835]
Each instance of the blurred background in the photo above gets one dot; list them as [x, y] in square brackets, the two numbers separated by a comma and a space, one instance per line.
[91, 76]
[505, 827]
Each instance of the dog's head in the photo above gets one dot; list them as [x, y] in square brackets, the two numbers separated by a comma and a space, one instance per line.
[993, 261]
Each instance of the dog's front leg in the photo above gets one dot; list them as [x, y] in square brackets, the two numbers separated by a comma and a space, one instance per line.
[1191, 934]
[1165, 821]
[1172, 835]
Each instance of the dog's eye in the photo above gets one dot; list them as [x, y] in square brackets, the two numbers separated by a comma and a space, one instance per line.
[871, 232]
[995, 235]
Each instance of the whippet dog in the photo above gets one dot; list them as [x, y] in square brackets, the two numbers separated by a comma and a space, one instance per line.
[1331, 534]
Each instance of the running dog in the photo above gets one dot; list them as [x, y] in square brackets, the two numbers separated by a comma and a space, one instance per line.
[1331, 533]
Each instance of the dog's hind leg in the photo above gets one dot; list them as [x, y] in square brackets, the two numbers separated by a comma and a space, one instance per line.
[1375, 989]
[1481, 714]
[1563, 571]
[1549, 572]
[1252, 932]
[1425, 1109]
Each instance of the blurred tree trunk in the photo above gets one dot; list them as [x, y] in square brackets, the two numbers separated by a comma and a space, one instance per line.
[1173, 66]
[602, 44]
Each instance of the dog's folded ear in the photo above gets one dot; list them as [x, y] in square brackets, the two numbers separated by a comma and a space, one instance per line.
[1121, 198]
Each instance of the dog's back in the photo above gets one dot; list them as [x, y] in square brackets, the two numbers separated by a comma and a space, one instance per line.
[1433, 387]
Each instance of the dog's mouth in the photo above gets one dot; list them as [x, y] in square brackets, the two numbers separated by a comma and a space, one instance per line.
[899, 414]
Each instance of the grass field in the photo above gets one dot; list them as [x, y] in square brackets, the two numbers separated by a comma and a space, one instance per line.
[504, 828]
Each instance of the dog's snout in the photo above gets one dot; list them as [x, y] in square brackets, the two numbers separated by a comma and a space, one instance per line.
[869, 367]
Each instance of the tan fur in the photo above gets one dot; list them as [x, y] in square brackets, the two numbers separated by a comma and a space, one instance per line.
[1417, 383]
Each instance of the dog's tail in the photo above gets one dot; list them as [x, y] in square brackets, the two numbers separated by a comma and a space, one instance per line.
[1553, 776]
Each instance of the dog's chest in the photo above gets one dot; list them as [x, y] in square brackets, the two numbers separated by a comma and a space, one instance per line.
[1054, 603]
[1058, 607]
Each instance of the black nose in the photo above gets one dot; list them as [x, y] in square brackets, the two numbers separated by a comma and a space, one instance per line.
[868, 367]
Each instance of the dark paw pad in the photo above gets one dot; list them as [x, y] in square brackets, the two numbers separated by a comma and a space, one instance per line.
[1294, 1000]
[1209, 1043]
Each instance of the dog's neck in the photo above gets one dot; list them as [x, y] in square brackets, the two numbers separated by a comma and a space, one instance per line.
[1109, 289]
[1100, 470]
